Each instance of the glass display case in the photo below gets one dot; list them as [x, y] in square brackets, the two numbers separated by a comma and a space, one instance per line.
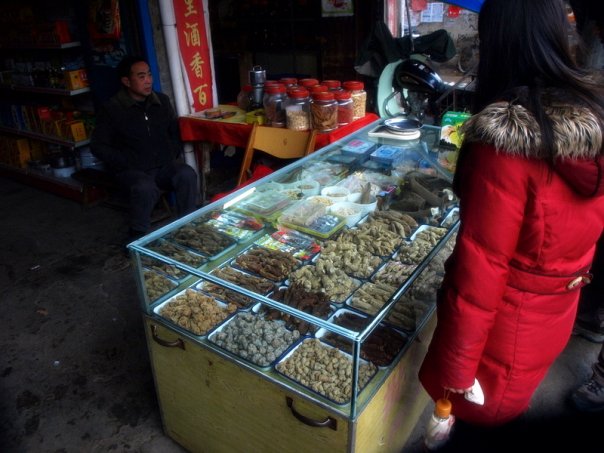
[309, 287]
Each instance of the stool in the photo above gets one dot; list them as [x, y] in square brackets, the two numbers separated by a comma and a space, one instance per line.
[92, 178]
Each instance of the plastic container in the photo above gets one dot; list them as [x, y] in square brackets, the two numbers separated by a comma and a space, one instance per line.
[332, 85]
[308, 83]
[289, 81]
[318, 89]
[274, 105]
[336, 193]
[324, 111]
[359, 97]
[297, 110]
[244, 100]
[345, 107]
[439, 425]
[349, 211]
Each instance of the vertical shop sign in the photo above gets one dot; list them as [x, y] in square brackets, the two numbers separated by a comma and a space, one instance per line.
[195, 51]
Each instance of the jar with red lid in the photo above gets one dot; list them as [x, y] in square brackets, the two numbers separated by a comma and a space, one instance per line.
[317, 89]
[324, 111]
[274, 105]
[359, 97]
[332, 85]
[244, 97]
[288, 81]
[308, 83]
[297, 109]
[265, 86]
[345, 107]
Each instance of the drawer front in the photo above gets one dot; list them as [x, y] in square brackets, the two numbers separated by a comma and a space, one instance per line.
[210, 404]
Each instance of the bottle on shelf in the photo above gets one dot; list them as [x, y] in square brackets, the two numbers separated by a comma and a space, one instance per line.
[359, 97]
[324, 111]
[274, 105]
[244, 98]
[297, 109]
[345, 107]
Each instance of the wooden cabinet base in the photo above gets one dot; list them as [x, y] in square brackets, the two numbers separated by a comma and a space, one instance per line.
[211, 404]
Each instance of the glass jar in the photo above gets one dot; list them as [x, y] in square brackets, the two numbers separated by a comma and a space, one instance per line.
[297, 110]
[317, 89]
[265, 86]
[345, 107]
[359, 97]
[308, 83]
[332, 85]
[274, 105]
[244, 98]
[289, 82]
[324, 111]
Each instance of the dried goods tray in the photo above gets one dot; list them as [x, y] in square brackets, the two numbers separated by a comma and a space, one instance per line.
[191, 302]
[274, 265]
[247, 334]
[178, 253]
[383, 339]
[331, 385]
[315, 304]
[300, 245]
[202, 239]
[157, 285]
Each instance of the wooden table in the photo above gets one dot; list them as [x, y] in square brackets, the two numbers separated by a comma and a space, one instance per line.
[234, 132]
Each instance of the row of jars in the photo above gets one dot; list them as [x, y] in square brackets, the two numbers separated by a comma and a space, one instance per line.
[307, 104]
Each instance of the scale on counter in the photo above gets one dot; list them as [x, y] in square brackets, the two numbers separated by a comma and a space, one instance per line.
[398, 129]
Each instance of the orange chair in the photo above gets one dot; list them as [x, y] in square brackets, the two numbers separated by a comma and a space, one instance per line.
[278, 142]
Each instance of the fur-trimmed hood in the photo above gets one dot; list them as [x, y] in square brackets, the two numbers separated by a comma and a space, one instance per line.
[512, 129]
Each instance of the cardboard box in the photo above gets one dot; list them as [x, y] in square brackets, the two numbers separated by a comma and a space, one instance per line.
[75, 130]
[76, 79]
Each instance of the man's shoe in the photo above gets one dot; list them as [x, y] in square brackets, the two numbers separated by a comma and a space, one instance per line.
[589, 397]
[589, 331]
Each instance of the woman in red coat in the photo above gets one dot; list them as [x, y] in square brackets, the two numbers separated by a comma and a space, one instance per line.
[530, 182]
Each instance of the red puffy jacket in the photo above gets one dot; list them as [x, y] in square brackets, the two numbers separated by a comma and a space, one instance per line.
[526, 241]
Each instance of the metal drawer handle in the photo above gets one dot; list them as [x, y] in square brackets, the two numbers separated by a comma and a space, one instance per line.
[327, 423]
[178, 343]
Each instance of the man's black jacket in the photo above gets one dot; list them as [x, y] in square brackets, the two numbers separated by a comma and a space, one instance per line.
[136, 136]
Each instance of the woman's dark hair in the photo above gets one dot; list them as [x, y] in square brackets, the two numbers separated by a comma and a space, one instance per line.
[523, 51]
[124, 67]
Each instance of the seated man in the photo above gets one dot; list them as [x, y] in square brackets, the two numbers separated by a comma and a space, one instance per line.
[137, 137]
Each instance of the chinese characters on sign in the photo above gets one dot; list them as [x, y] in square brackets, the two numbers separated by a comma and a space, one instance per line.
[195, 51]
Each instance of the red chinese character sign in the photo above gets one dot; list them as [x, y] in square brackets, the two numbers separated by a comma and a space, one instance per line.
[195, 51]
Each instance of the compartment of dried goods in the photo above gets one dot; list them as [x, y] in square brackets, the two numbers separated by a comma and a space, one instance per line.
[393, 273]
[274, 265]
[178, 253]
[259, 285]
[169, 270]
[300, 245]
[373, 238]
[254, 339]
[421, 243]
[315, 303]
[325, 278]
[195, 311]
[451, 217]
[324, 369]
[381, 347]
[203, 239]
[349, 257]
[157, 285]
[228, 295]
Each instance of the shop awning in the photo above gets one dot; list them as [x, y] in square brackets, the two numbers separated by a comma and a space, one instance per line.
[472, 5]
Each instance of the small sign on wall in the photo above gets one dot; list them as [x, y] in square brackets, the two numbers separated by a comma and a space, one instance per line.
[335, 8]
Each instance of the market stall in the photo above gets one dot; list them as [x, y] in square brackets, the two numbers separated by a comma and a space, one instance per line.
[293, 313]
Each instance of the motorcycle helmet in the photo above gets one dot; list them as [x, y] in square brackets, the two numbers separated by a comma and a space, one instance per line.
[415, 75]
